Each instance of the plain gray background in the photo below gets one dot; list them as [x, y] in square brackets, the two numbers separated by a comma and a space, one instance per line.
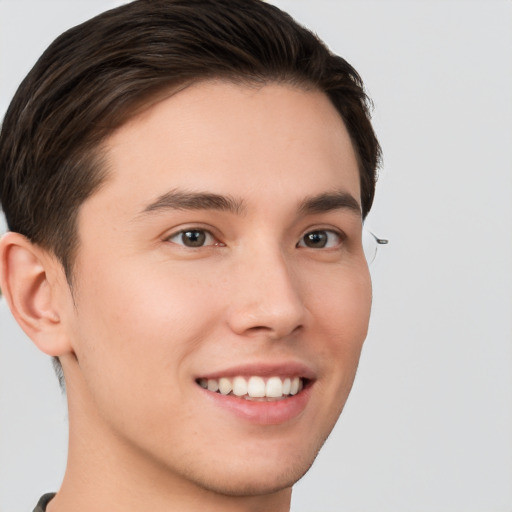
[428, 427]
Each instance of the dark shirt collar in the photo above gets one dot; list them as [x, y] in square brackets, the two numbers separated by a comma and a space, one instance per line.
[41, 506]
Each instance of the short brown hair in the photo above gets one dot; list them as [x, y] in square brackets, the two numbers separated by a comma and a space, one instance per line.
[97, 75]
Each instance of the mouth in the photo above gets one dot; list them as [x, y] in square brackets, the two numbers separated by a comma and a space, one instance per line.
[258, 393]
[256, 388]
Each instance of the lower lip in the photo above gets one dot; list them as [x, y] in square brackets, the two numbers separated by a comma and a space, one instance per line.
[262, 413]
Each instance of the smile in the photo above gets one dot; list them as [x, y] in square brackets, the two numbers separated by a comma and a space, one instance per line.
[255, 388]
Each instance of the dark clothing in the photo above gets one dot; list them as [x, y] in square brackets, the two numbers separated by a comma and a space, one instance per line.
[41, 506]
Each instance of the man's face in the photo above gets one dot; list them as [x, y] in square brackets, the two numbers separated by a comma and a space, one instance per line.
[225, 243]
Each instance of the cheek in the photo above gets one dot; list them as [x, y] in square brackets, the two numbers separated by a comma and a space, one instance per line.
[343, 304]
[155, 300]
[342, 313]
[132, 333]
[134, 340]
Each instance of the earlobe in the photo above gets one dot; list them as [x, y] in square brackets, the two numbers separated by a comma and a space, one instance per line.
[28, 281]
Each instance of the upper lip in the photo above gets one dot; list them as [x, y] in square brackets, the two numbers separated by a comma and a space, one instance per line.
[284, 369]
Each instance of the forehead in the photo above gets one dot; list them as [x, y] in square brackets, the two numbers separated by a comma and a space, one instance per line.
[232, 139]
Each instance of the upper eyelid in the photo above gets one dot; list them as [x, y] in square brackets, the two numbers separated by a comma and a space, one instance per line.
[339, 233]
[169, 233]
[174, 234]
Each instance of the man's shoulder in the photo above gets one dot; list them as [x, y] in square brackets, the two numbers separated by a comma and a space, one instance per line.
[41, 506]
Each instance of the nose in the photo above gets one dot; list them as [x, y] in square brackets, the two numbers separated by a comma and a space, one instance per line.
[267, 297]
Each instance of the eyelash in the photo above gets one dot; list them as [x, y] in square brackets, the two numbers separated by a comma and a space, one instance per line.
[204, 234]
[339, 237]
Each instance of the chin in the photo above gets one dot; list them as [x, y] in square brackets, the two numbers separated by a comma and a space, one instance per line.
[257, 478]
[259, 485]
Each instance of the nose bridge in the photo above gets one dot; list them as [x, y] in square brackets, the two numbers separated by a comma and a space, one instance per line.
[268, 294]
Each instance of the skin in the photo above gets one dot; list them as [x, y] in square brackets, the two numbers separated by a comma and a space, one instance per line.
[148, 315]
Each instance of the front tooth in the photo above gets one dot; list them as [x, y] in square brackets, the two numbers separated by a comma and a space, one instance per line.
[294, 389]
[239, 386]
[213, 385]
[274, 387]
[287, 384]
[256, 387]
[225, 386]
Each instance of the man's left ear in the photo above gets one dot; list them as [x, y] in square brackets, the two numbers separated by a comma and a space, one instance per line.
[36, 291]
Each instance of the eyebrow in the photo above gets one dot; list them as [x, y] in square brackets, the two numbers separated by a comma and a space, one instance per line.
[330, 201]
[178, 200]
[182, 200]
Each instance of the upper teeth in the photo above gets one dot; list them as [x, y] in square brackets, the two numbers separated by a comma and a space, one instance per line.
[254, 387]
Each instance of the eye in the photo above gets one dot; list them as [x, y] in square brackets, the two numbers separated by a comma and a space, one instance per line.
[193, 238]
[320, 239]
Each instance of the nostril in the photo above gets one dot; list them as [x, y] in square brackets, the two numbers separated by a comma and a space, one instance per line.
[259, 328]
[272, 333]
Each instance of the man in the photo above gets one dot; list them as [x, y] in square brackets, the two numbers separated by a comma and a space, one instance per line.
[184, 183]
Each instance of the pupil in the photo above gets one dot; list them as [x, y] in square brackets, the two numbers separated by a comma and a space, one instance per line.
[316, 239]
[194, 238]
